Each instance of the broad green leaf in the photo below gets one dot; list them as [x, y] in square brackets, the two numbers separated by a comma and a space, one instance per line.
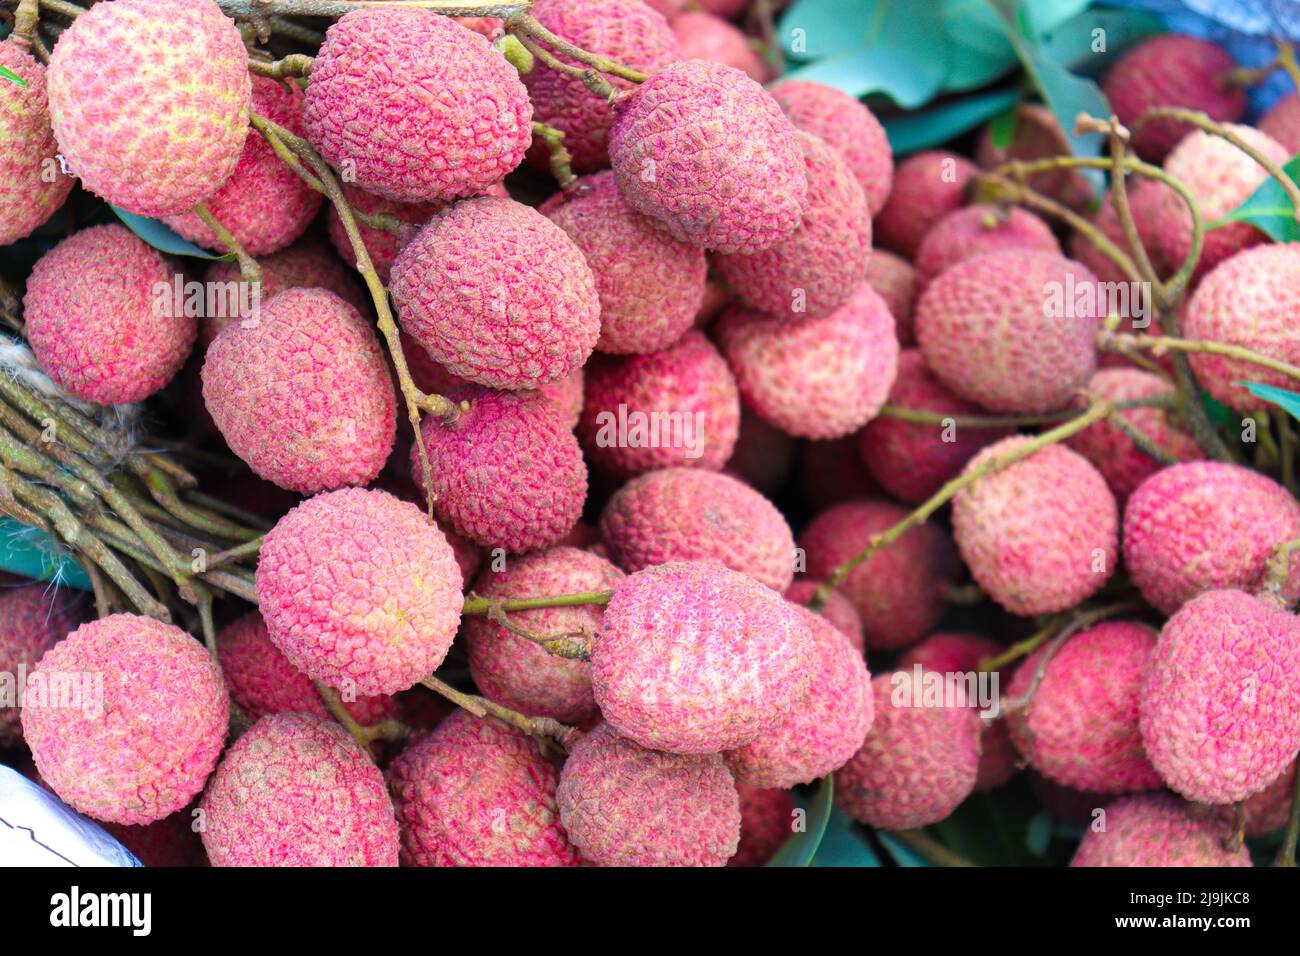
[1269, 208]
[1072, 44]
[903, 854]
[1002, 128]
[978, 51]
[800, 848]
[161, 237]
[911, 132]
[1038, 17]
[815, 29]
[992, 829]
[1290, 401]
[11, 76]
[30, 553]
[844, 845]
[1220, 415]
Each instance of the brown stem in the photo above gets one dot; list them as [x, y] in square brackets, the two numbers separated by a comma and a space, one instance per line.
[481, 605]
[525, 24]
[560, 157]
[1286, 851]
[1123, 341]
[594, 81]
[573, 645]
[1145, 443]
[924, 416]
[295, 64]
[249, 270]
[365, 736]
[482, 707]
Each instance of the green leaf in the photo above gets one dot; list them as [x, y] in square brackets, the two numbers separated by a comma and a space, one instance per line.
[1038, 17]
[844, 845]
[30, 553]
[11, 76]
[916, 131]
[1002, 128]
[161, 237]
[1268, 208]
[800, 848]
[903, 854]
[978, 52]
[1290, 401]
[1071, 43]
[992, 829]
[1220, 415]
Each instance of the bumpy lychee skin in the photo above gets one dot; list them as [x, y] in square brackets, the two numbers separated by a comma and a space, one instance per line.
[766, 822]
[917, 763]
[848, 126]
[157, 131]
[139, 746]
[360, 590]
[912, 460]
[507, 472]
[1010, 330]
[32, 620]
[927, 186]
[1203, 525]
[894, 280]
[650, 284]
[898, 590]
[821, 735]
[684, 514]
[815, 269]
[32, 185]
[1155, 829]
[519, 673]
[1040, 535]
[1038, 135]
[1220, 178]
[1282, 122]
[476, 792]
[1266, 812]
[301, 392]
[975, 230]
[498, 294]
[381, 246]
[264, 203]
[94, 321]
[1250, 300]
[1144, 199]
[704, 36]
[822, 378]
[624, 805]
[373, 76]
[838, 609]
[296, 790]
[676, 407]
[262, 680]
[1172, 70]
[697, 658]
[1080, 728]
[1220, 703]
[705, 151]
[623, 30]
[1113, 453]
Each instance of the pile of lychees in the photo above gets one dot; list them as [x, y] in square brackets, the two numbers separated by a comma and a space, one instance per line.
[562, 325]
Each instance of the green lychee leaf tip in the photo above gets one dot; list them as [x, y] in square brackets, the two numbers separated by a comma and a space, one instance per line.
[11, 76]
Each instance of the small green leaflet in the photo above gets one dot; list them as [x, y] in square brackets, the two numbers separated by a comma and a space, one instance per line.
[162, 237]
[1290, 401]
[11, 76]
[1269, 209]
[910, 132]
[800, 849]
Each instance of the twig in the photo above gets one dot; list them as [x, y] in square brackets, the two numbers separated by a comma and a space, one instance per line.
[928, 847]
[482, 707]
[560, 157]
[1286, 851]
[249, 270]
[295, 64]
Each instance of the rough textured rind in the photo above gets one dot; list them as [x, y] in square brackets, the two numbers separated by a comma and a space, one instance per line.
[623, 30]
[32, 184]
[912, 460]
[1144, 199]
[990, 330]
[820, 378]
[697, 658]
[1038, 135]
[150, 100]
[927, 186]
[623, 805]
[382, 246]
[684, 514]
[838, 609]
[262, 680]
[1266, 812]
[144, 748]
[33, 619]
[1040, 535]
[707, 153]
[498, 294]
[476, 792]
[917, 763]
[816, 268]
[1172, 70]
[651, 285]
[301, 392]
[1155, 829]
[661, 397]
[1249, 300]
[1220, 703]
[519, 673]
[704, 36]
[898, 591]
[848, 126]
[418, 107]
[1203, 525]
[264, 203]
[296, 790]
[821, 735]
[507, 472]
[94, 319]
[766, 822]
[1080, 728]
[360, 590]
[894, 280]
[1282, 122]
[975, 230]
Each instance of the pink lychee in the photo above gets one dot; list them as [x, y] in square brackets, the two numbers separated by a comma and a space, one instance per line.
[927, 186]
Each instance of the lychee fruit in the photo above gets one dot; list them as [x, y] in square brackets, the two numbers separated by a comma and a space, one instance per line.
[1038, 135]
[1203, 525]
[685, 514]
[382, 246]
[476, 792]
[301, 392]
[1040, 535]
[360, 590]
[1282, 122]
[830, 472]
[975, 230]
[101, 317]
[296, 790]
[370, 109]
[764, 455]
[131, 133]
[519, 673]
[1155, 829]
[697, 123]
[147, 726]
[1144, 199]
[1220, 703]
[838, 609]
[697, 658]
[894, 280]
[170, 842]
[1266, 812]
[32, 184]
[32, 620]
[927, 186]
[703, 36]
[624, 805]
[766, 822]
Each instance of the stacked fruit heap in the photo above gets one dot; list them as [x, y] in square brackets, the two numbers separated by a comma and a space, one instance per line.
[648, 690]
